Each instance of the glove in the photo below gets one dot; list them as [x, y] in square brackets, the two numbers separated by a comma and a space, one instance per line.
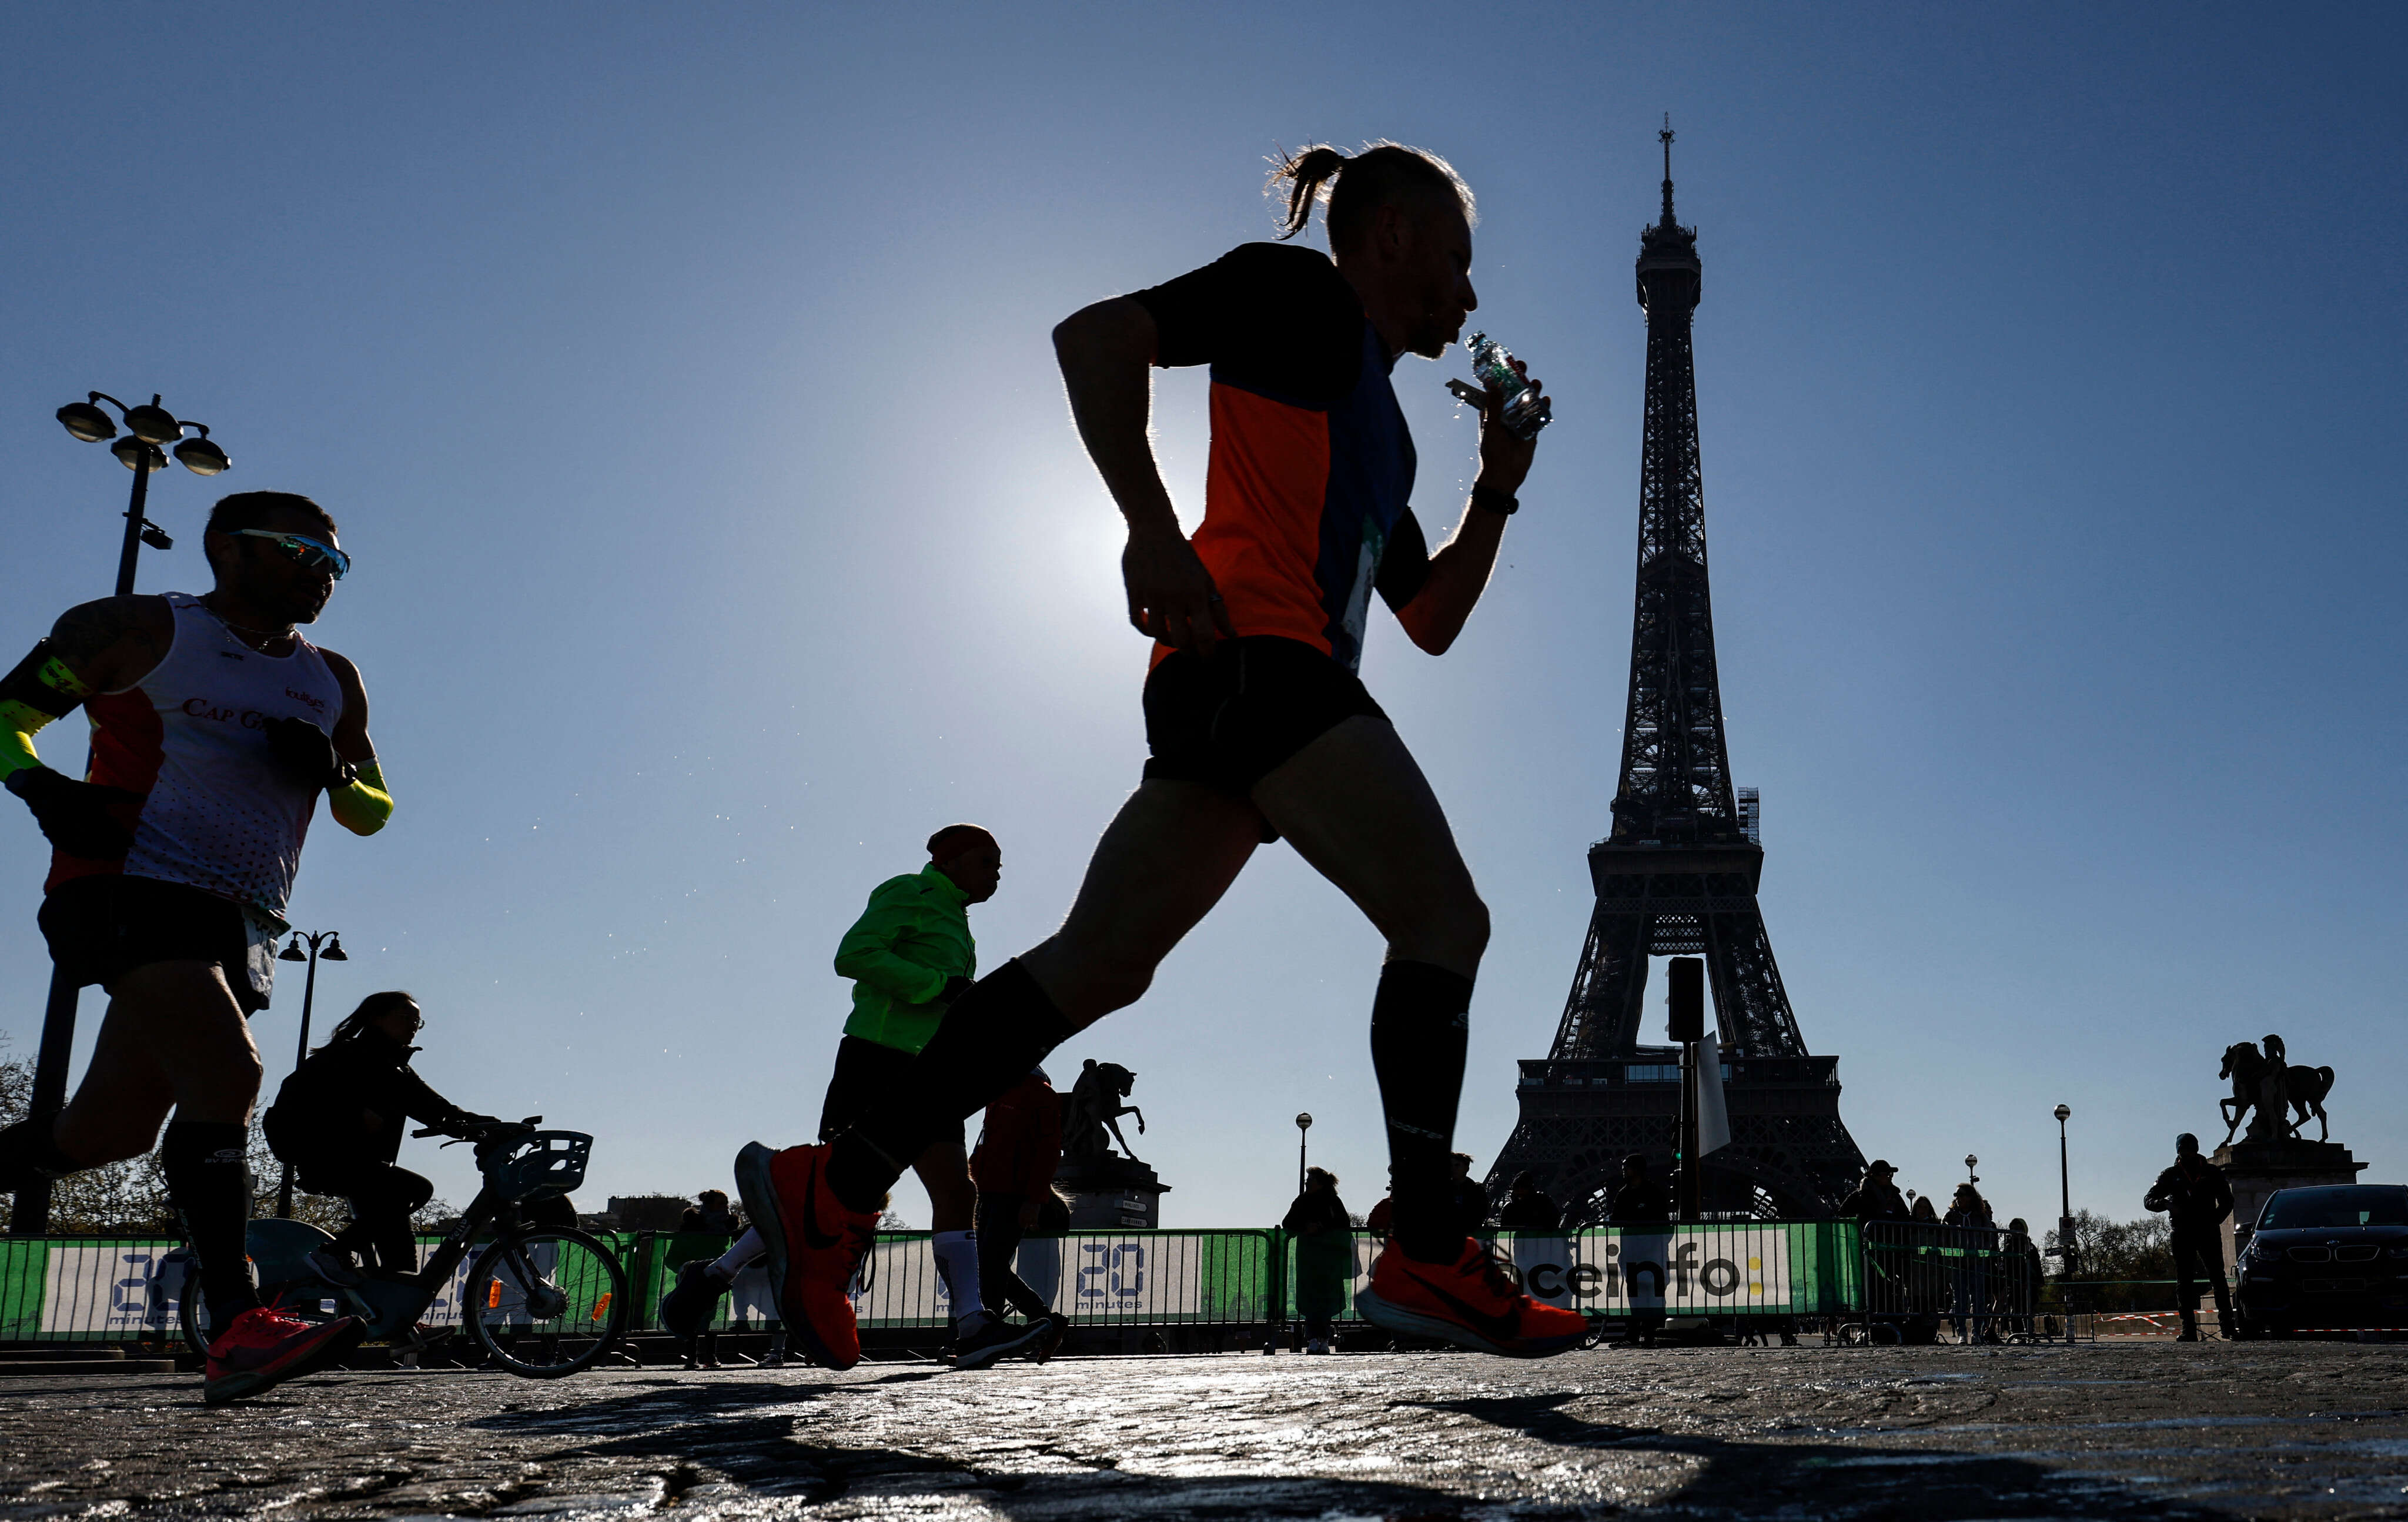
[74, 816]
[954, 988]
[308, 753]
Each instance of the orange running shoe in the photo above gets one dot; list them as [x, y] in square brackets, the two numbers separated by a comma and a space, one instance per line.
[1473, 1302]
[261, 1348]
[816, 1246]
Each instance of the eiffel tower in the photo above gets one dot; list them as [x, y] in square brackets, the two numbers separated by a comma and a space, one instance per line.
[1678, 875]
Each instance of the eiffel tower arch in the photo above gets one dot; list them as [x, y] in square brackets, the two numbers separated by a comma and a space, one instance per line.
[1678, 875]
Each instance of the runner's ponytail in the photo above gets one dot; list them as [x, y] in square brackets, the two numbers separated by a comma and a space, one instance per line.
[1353, 188]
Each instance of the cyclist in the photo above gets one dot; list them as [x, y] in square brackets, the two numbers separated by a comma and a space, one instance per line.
[908, 955]
[338, 1119]
[1257, 724]
[215, 727]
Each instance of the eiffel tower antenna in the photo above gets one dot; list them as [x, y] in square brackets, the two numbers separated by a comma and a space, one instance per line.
[1677, 877]
[1667, 137]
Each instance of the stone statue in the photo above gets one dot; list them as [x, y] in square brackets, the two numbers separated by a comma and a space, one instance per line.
[1095, 1108]
[2269, 1085]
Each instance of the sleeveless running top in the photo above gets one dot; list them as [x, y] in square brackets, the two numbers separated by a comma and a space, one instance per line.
[218, 812]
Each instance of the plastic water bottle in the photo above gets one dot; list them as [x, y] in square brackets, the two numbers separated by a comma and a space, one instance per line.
[1528, 411]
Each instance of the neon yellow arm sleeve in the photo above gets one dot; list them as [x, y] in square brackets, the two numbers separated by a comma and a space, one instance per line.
[363, 805]
[18, 724]
[20, 721]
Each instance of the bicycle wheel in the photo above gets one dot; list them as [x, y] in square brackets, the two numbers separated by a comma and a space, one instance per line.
[546, 1303]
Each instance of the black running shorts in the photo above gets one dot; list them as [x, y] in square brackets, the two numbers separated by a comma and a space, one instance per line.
[1228, 719]
[868, 1076]
[104, 927]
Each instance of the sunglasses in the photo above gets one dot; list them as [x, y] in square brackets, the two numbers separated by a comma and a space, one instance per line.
[312, 554]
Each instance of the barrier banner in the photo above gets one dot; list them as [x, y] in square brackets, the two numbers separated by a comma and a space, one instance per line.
[1097, 1277]
[1699, 1272]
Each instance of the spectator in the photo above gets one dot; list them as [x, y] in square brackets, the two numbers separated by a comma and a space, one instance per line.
[1924, 1211]
[2020, 1292]
[1527, 1209]
[1325, 1255]
[1876, 1199]
[1382, 1218]
[1968, 1211]
[1017, 1155]
[2195, 1194]
[709, 1215]
[1639, 1200]
[1467, 1201]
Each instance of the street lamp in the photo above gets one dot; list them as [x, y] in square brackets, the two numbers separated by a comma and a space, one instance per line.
[1303, 1124]
[333, 941]
[2065, 1244]
[1972, 1177]
[150, 426]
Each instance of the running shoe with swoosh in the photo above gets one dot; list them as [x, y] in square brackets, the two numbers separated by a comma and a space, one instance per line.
[1473, 1302]
[816, 1246]
[263, 1349]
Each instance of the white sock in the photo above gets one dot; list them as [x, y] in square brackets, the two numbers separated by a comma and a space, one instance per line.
[728, 1265]
[957, 1265]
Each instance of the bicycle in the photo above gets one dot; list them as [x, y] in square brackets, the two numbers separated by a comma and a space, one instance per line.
[541, 1301]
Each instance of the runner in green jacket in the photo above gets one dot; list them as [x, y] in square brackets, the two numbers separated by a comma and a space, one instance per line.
[908, 955]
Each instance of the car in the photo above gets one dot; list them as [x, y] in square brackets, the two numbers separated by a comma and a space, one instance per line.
[2329, 1257]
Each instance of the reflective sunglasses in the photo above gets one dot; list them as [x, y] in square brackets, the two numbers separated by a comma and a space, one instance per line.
[314, 554]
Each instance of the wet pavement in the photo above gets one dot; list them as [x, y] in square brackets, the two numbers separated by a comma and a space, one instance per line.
[2146, 1429]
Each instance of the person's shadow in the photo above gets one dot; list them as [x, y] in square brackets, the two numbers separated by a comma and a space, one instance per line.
[1804, 1479]
[751, 1435]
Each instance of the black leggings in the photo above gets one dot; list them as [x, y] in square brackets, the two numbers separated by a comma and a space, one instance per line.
[998, 1240]
[382, 1198]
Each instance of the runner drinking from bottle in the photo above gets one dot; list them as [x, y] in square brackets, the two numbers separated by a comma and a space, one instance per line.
[1257, 724]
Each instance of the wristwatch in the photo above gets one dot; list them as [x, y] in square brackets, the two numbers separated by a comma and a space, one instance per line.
[1504, 503]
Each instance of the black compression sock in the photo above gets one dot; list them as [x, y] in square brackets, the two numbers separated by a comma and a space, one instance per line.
[29, 1151]
[991, 1037]
[1421, 1025]
[208, 1179]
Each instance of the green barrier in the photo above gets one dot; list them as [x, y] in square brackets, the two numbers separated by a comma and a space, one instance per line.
[125, 1288]
[1759, 1269]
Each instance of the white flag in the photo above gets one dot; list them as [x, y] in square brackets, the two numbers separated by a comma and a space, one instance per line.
[1713, 1119]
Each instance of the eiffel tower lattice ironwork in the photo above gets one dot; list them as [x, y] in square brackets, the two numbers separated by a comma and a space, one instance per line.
[1678, 876]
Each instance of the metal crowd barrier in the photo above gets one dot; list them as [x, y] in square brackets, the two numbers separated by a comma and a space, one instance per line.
[1977, 1284]
[1885, 1280]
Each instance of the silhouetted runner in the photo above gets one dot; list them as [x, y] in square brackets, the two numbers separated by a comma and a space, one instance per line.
[1257, 724]
[215, 726]
[909, 956]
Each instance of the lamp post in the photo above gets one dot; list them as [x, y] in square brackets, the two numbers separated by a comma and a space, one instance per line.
[1972, 1177]
[333, 941]
[1303, 1124]
[150, 427]
[2066, 1249]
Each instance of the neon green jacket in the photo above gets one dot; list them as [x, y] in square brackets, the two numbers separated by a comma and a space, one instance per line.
[914, 935]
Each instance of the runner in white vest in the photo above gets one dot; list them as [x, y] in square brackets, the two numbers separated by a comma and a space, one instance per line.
[215, 726]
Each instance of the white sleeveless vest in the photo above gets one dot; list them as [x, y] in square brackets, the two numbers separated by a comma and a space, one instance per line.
[218, 812]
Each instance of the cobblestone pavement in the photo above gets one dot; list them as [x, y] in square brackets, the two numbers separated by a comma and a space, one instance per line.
[2148, 1430]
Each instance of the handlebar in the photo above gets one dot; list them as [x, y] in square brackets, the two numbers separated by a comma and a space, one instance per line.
[483, 1132]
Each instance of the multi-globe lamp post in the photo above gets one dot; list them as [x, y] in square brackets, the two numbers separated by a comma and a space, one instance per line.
[151, 430]
[333, 942]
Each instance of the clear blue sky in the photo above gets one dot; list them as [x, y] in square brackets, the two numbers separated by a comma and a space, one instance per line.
[679, 376]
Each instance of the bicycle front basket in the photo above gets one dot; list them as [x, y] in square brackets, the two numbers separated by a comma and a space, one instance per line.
[545, 1166]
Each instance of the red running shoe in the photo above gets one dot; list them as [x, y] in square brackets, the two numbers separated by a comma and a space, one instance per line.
[816, 1246]
[263, 1348]
[1473, 1302]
